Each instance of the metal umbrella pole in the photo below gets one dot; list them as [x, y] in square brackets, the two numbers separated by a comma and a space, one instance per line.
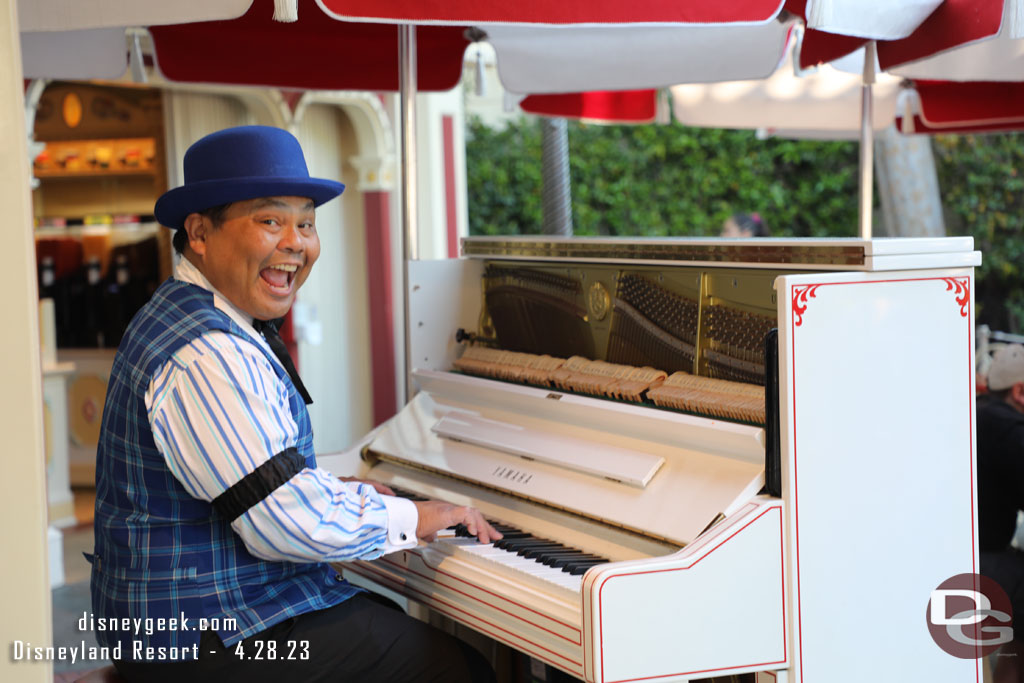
[867, 142]
[410, 230]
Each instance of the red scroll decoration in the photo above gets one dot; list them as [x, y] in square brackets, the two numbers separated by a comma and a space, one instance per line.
[801, 293]
[962, 286]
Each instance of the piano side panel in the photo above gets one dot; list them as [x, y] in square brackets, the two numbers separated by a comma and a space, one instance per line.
[877, 382]
[543, 625]
[715, 608]
[443, 296]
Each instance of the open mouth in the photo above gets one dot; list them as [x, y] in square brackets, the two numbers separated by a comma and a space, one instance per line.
[279, 277]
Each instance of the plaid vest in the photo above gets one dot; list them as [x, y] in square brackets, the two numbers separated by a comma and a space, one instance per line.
[160, 553]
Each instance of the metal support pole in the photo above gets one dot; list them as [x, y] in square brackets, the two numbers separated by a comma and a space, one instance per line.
[410, 233]
[555, 172]
[867, 142]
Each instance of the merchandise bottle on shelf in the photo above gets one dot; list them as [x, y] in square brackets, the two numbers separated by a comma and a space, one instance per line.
[117, 301]
[90, 308]
[47, 278]
[60, 290]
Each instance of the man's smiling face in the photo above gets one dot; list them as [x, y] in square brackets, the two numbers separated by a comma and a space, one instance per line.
[260, 254]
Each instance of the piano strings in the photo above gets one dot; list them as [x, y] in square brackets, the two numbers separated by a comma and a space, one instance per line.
[680, 391]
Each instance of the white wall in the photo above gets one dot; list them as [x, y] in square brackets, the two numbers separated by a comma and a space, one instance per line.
[24, 579]
[189, 116]
[335, 369]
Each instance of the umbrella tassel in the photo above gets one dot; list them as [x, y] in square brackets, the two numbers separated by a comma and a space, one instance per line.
[286, 10]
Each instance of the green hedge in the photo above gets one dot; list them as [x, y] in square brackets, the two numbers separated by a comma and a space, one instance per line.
[674, 180]
[983, 196]
[663, 180]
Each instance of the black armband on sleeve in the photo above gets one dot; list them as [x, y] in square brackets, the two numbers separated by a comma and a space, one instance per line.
[258, 484]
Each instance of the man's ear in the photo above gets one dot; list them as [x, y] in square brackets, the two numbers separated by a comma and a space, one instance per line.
[196, 228]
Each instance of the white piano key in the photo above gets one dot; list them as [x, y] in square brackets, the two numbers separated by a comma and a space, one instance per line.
[511, 563]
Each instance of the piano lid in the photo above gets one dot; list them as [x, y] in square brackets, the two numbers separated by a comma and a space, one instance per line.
[795, 253]
[663, 474]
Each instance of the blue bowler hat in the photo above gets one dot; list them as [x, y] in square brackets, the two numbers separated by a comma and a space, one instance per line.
[242, 163]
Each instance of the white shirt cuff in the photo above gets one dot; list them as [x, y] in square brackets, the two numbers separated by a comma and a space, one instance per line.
[402, 520]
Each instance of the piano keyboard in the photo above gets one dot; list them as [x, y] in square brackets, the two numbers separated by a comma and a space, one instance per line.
[518, 552]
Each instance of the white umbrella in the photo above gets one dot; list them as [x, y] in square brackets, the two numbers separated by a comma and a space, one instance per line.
[823, 102]
[82, 40]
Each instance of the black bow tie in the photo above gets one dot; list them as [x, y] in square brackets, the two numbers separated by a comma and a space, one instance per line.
[268, 328]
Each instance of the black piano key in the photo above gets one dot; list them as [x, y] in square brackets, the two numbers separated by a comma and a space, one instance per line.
[514, 543]
[564, 563]
[552, 557]
[525, 543]
[549, 556]
[530, 547]
[537, 552]
[581, 567]
[567, 563]
[403, 493]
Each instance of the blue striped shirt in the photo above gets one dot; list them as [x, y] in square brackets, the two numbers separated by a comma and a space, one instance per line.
[218, 411]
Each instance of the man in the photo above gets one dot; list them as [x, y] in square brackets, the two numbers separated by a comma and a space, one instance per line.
[213, 524]
[1001, 490]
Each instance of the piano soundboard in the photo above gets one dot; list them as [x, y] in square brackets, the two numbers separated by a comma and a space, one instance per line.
[646, 543]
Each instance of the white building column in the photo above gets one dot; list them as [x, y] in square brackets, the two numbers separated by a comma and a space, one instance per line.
[24, 583]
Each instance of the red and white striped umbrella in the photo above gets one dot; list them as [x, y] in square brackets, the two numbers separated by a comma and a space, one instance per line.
[543, 12]
[597, 106]
[80, 40]
[542, 47]
[314, 52]
[822, 103]
[975, 87]
[961, 107]
[964, 65]
[586, 49]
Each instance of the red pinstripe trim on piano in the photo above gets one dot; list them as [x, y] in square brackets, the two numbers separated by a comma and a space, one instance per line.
[579, 633]
[434, 601]
[969, 316]
[605, 580]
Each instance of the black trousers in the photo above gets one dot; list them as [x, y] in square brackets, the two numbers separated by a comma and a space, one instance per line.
[365, 638]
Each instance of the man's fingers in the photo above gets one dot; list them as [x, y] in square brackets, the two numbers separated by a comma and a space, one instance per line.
[478, 526]
[435, 515]
[383, 489]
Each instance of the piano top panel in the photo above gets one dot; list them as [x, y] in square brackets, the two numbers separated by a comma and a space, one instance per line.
[791, 253]
[706, 468]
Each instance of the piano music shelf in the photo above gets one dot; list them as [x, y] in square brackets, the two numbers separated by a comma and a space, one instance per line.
[646, 404]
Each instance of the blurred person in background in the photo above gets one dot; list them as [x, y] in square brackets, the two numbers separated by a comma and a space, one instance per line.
[1001, 492]
[745, 225]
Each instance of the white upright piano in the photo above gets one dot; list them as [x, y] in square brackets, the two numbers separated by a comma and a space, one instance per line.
[804, 547]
